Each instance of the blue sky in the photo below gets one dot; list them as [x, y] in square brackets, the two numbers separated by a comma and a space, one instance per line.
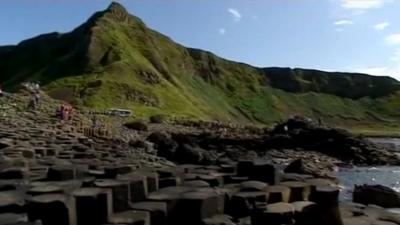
[334, 35]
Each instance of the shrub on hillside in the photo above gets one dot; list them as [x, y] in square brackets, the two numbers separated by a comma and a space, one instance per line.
[138, 125]
[157, 118]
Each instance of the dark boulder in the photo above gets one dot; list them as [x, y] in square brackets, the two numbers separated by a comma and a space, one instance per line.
[279, 141]
[138, 125]
[295, 166]
[304, 134]
[377, 195]
[12, 173]
[137, 144]
[291, 125]
[184, 139]
[3, 145]
[157, 118]
[188, 154]
[165, 145]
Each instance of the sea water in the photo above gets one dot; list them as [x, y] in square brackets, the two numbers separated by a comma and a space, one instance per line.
[386, 175]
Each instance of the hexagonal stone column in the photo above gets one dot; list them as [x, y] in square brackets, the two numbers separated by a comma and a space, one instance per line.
[157, 210]
[213, 180]
[263, 171]
[196, 183]
[318, 182]
[169, 198]
[93, 206]
[306, 213]
[244, 167]
[137, 186]
[227, 168]
[274, 214]
[169, 182]
[278, 193]
[12, 174]
[223, 197]
[42, 190]
[299, 191]
[13, 219]
[51, 209]
[120, 193]
[242, 203]
[12, 202]
[61, 173]
[152, 180]
[327, 198]
[111, 172]
[193, 207]
[249, 186]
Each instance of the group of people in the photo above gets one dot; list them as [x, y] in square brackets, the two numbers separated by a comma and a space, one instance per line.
[65, 112]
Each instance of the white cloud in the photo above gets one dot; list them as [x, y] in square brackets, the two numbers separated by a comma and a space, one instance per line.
[392, 69]
[381, 71]
[343, 22]
[235, 14]
[222, 31]
[393, 39]
[381, 26]
[396, 56]
[363, 4]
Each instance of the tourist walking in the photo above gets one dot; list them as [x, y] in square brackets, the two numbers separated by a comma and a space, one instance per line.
[37, 97]
[65, 112]
[33, 105]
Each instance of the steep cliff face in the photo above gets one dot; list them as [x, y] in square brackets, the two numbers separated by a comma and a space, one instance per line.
[114, 60]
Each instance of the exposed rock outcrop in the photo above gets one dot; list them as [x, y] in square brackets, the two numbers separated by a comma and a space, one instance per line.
[298, 133]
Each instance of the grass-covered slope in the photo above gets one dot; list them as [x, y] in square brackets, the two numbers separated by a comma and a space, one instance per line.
[114, 60]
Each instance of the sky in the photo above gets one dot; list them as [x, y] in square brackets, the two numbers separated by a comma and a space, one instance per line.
[333, 35]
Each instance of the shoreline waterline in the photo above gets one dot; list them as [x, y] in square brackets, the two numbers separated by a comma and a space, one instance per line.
[383, 175]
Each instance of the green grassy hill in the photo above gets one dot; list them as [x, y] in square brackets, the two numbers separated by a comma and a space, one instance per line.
[114, 60]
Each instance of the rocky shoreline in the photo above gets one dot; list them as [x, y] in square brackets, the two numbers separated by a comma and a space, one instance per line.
[65, 172]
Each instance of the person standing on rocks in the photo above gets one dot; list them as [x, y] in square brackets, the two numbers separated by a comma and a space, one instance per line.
[286, 129]
[64, 112]
[33, 103]
[320, 122]
[36, 86]
[69, 111]
[37, 97]
[94, 121]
